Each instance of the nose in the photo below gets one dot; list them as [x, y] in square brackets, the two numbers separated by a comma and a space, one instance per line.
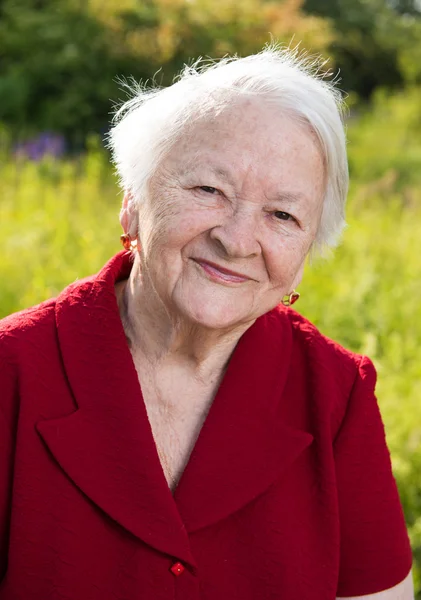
[237, 236]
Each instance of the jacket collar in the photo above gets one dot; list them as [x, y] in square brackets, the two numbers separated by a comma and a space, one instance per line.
[106, 446]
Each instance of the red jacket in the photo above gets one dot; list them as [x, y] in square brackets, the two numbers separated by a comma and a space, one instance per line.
[288, 493]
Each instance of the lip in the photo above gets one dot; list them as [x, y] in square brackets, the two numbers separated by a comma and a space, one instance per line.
[220, 273]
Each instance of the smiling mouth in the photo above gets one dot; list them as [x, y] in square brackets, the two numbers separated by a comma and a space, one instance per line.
[218, 273]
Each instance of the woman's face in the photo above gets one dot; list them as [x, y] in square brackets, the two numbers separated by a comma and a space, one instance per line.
[231, 215]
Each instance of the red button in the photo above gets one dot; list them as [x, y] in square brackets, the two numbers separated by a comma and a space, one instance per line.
[177, 568]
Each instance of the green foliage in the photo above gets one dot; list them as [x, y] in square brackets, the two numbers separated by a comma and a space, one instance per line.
[171, 32]
[61, 59]
[376, 43]
[398, 120]
[410, 52]
[58, 221]
[58, 69]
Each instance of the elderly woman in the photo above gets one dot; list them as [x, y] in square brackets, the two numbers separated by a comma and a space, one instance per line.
[171, 429]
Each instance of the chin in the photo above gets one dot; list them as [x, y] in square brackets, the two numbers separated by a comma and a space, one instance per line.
[214, 315]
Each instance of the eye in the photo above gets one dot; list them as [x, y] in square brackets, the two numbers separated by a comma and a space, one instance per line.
[208, 189]
[283, 216]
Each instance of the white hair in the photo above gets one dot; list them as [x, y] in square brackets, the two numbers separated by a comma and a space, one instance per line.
[147, 126]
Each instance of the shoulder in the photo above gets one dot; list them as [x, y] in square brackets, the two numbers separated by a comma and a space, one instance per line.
[24, 325]
[31, 330]
[333, 374]
[320, 347]
[28, 347]
[317, 347]
[20, 343]
[24, 337]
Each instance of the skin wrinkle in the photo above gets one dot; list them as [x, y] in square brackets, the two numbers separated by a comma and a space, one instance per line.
[182, 325]
[164, 203]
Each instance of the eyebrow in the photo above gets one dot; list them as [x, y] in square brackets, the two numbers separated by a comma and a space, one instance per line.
[220, 171]
[290, 197]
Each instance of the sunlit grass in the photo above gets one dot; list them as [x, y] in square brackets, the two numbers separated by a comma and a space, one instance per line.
[58, 222]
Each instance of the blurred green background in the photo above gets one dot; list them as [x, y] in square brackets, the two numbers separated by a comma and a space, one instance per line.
[59, 201]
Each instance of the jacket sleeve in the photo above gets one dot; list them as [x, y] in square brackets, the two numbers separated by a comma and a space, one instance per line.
[375, 553]
[8, 413]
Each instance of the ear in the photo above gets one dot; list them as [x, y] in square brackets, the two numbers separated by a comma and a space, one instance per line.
[128, 215]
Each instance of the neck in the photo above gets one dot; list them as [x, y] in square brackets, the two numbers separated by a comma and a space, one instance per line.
[163, 338]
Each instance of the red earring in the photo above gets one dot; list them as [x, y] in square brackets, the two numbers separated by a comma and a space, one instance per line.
[290, 299]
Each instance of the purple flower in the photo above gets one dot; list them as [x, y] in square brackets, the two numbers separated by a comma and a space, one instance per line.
[44, 144]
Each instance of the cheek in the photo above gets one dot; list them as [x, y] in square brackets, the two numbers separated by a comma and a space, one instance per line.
[157, 219]
[284, 263]
[171, 227]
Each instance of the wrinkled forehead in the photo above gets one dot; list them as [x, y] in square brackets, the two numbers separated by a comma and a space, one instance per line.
[256, 126]
[257, 153]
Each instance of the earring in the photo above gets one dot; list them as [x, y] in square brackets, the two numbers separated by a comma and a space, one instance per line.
[126, 241]
[290, 299]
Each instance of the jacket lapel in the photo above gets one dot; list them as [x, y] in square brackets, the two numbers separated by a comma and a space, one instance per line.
[106, 447]
[244, 444]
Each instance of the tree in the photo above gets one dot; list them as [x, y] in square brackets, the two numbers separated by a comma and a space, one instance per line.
[169, 33]
[60, 59]
[58, 66]
[370, 38]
